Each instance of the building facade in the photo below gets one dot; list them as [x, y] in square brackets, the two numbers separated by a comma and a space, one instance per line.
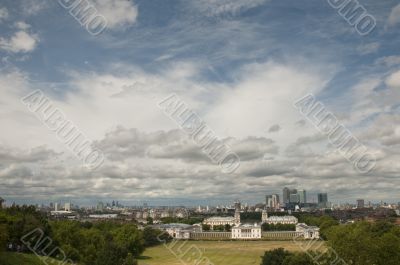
[281, 220]
[246, 232]
[308, 232]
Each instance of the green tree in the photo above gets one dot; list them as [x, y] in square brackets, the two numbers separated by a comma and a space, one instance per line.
[298, 259]
[130, 260]
[3, 236]
[206, 227]
[153, 237]
[275, 257]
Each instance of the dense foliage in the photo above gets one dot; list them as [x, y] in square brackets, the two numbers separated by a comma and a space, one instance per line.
[102, 243]
[365, 243]
[361, 243]
[189, 221]
[278, 227]
[16, 221]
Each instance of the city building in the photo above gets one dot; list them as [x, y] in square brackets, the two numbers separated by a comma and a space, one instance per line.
[302, 196]
[308, 232]
[286, 194]
[67, 206]
[246, 232]
[288, 219]
[294, 198]
[56, 208]
[322, 200]
[360, 203]
[273, 201]
[179, 231]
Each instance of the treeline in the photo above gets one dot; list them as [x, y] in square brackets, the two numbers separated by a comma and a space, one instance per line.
[278, 227]
[102, 243]
[361, 243]
[189, 221]
[17, 221]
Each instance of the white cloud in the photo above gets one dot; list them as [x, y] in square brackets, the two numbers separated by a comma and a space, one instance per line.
[117, 13]
[21, 41]
[368, 48]
[393, 80]
[22, 25]
[388, 60]
[394, 16]
[3, 14]
[220, 7]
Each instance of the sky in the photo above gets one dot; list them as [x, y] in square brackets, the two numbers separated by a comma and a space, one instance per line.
[239, 65]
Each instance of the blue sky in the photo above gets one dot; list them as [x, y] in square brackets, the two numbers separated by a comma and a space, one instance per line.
[239, 64]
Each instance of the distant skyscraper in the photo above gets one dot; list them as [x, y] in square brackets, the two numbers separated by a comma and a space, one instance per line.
[56, 206]
[275, 201]
[294, 198]
[323, 200]
[268, 201]
[303, 196]
[67, 207]
[360, 203]
[286, 194]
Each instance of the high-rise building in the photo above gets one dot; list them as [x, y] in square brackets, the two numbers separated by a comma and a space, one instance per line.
[272, 201]
[56, 206]
[360, 203]
[294, 198]
[303, 196]
[268, 201]
[323, 200]
[286, 194]
[275, 201]
[67, 206]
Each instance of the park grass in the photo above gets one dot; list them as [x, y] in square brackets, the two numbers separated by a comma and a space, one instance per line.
[12, 258]
[218, 252]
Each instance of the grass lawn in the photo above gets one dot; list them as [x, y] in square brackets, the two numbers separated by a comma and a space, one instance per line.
[12, 258]
[218, 252]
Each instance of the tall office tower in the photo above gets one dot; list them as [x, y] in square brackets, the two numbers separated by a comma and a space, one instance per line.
[303, 196]
[67, 206]
[360, 203]
[56, 206]
[268, 201]
[322, 200]
[275, 201]
[294, 198]
[286, 195]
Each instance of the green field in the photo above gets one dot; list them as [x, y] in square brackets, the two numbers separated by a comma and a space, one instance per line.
[11, 258]
[218, 252]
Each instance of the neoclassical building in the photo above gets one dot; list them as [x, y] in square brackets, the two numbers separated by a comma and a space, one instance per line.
[288, 219]
[309, 232]
[218, 220]
[246, 232]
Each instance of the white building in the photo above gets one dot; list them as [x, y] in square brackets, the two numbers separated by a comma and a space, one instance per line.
[217, 220]
[67, 206]
[288, 219]
[179, 231]
[309, 232]
[246, 232]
